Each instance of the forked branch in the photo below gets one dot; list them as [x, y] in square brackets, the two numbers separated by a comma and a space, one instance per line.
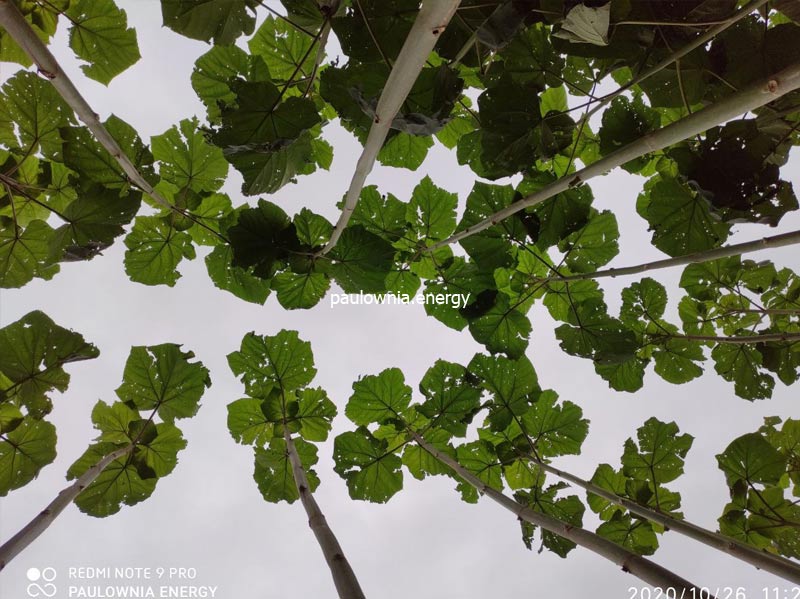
[632, 563]
[343, 576]
[433, 17]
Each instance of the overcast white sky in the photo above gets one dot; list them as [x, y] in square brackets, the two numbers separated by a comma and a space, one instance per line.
[425, 542]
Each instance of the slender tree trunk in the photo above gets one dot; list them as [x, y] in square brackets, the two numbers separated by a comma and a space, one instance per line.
[791, 238]
[637, 565]
[756, 95]
[16, 544]
[431, 21]
[768, 562]
[343, 576]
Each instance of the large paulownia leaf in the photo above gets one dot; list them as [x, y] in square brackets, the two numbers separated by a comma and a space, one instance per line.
[241, 282]
[379, 398]
[24, 451]
[450, 401]
[510, 383]
[659, 456]
[155, 249]
[222, 21]
[187, 160]
[282, 362]
[25, 253]
[33, 352]
[100, 35]
[33, 105]
[370, 467]
[162, 378]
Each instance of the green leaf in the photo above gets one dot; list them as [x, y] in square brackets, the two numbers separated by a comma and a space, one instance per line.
[594, 245]
[420, 463]
[262, 239]
[680, 219]
[239, 281]
[646, 300]
[432, 211]
[479, 458]
[404, 150]
[635, 535]
[315, 412]
[300, 291]
[372, 469]
[97, 216]
[566, 509]
[660, 453]
[213, 73]
[502, 329]
[556, 429]
[624, 122]
[161, 453]
[265, 364]
[247, 422]
[37, 111]
[114, 421]
[121, 482]
[609, 479]
[25, 253]
[585, 24]
[742, 364]
[511, 384]
[221, 20]
[187, 160]
[595, 335]
[273, 472]
[361, 261]
[510, 119]
[33, 351]
[379, 398]
[450, 401]
[24, 451]
[100, 36]
[284, 49]
[154, 251]
[312, 229]
[751, 459]
[161, 378]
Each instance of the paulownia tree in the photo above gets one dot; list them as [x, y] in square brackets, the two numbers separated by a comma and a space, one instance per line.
[703, 104]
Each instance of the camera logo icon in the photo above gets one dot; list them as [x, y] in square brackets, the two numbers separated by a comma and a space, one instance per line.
[41, 582]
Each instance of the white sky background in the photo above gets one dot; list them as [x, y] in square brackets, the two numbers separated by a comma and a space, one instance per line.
[426, 543]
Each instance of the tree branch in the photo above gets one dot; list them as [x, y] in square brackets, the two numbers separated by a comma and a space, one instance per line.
[431, 21]
[768, 562]
[776, 241]
[754, 96]
[16, 544]
[637, 565]
[343, 576]
[740, 340]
